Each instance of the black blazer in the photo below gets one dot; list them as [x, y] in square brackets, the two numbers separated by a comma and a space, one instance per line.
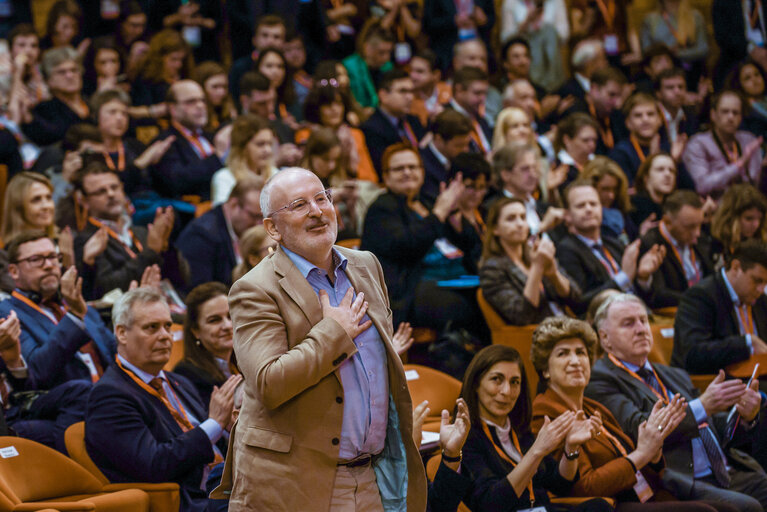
[439, 22]
[706, 328]
[132, 437]
[572, 88]
[669, 281]
[642, 206]
[730, 35]
[207, 247]
[380, 134]
[434, 174]
[631, 402]
[181, 172]
[585, 269]
[491, 490]
[50, 121]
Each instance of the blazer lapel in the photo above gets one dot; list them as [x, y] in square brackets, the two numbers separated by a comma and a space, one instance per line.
[167, 417]
[297, 287]
[188, 400]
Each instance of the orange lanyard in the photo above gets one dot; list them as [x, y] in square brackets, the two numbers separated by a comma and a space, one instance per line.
[283, 111]
[745, 318]
[611, 266]
[37, 308]
[480, 222]
[673, 31]
[410, 134]
[663, 397]
[178, 414]
[478, 136]
[665, 234]
[114, 235]
[193, 139]
[732, 156]
[637, 147]
[120, 159]
[608, 12]
[508, 459]
[303, 78]
[604, 126]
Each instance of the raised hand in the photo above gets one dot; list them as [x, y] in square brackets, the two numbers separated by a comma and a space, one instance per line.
[721, 394]
[96, 244]
[154, 152]
[581, 430]
[448, 197]
[651, 261]
[402, 339]
[552, 433]
[222, 401]
[453, 436]
[72, 292]
[158, 232]
[750, 402]
[647, 224]
[348, 314]
[420, 412]
[10, 345]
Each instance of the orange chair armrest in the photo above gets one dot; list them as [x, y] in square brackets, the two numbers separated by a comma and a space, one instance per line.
[62, 506]
[146, 487]
[578, 501]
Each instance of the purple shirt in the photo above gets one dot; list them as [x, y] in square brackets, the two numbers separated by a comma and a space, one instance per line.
[364, 376]
[709, 167]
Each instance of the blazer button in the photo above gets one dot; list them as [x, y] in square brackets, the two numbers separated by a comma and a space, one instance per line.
[335, 441]
[339, 400]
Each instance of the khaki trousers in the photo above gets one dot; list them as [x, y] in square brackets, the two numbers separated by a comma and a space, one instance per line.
[355, 490]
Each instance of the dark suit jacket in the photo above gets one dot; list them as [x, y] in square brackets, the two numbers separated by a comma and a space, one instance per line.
[439, 22]
[572, 88]
[602, 468]
[434, 174]
[503, 286]
[380, 134]
[49, 349]
[631, 402]
[50, 121]
[491, 489]
[132, 437]
[181, 172]
[706, 328]
[730, 34]
[203, 382]
[586, 270]
[207, 247]
[617, 124]
[669, 281]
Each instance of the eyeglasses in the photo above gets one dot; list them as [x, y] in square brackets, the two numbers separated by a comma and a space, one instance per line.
[38, 260]
[301, 206]
[325, 83]
[114, 189]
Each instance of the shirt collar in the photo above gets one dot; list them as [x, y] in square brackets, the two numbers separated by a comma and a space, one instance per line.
[305, 267]
[589, 242]
[442, 158]
[458, 108]
[662, 227]
[733, 296]
[584, 82]
[141, 374]
[393, 120]
[677, 118]
[634, 368]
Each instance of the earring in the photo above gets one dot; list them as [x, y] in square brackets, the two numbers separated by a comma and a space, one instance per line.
[198, 343]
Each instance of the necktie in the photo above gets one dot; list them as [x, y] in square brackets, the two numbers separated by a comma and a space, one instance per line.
[649, 378]
[89, 348]
[183, 422]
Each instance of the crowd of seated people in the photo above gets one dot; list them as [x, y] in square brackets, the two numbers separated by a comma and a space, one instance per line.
[551, 160]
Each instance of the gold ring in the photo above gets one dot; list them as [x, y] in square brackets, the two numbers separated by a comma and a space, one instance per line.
[660, 427]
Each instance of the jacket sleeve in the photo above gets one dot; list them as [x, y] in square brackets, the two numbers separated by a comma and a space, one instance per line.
[504, 294]
[116, 433]
[707, 178]
[180, 176]
[199, 252]
[261, 344]
[447, 490]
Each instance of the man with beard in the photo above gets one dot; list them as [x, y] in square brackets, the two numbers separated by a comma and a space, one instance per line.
[62, 339]
[326, 421]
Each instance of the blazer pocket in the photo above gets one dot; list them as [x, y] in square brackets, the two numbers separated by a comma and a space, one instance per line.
[267, 439]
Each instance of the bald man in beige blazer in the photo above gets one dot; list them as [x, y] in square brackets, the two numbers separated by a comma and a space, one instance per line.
[288, 450]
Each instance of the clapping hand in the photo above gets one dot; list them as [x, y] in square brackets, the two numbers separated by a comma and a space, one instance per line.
[552, 434]
[420, 413]
[453, 436]
[750, 402]
[402, 339]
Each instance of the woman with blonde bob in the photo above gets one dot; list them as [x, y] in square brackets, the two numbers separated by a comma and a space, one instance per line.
[29, 206]
[611, 184]
[740, 217]
[255, 245]
[512, 125]
[252, 152]
[609, 463]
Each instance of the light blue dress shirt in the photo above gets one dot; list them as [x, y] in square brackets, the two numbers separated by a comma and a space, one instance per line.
[364, 376]
[736, 301]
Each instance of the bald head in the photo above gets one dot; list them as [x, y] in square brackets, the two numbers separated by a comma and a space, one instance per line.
[299, 214]
[186, 103]
[471, 53]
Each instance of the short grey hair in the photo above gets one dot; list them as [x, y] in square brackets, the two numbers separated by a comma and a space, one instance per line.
[585, 52]
[604, 309]
[266, 192]
[122, 311]
[56, 56]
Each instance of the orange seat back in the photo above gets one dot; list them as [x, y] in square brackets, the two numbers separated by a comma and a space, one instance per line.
[440, 389]
[74, 439]
[493, 319]
[350, 243]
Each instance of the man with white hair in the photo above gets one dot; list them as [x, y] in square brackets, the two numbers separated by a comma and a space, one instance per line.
[702, 462]
[326, 422]
[144, 424]
[588, 56]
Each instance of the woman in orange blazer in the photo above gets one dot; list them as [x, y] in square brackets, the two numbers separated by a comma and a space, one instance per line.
[609, 464]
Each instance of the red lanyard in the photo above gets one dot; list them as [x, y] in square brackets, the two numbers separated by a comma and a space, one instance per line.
[608, 12]
[666, 235]
[193, 139]
[120, 158]
[508, 459]
[604, 131]
[663, 397]
[637, 147]
[303, 78]
[478, 136]
[37, 308]
[114, 235]
[178, 414]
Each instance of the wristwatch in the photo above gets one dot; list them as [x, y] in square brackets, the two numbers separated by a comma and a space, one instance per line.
[573, 455]
[447, 458]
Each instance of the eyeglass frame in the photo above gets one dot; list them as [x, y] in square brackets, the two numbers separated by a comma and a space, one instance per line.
[54, 256]
[328, 193]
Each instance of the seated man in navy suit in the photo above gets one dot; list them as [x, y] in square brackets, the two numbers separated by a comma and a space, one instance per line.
[188, 166]
[451, 137]
[470, 87]
[391, 121]
[41, 416]
[147, 425]
[62, 339]
[210, 243]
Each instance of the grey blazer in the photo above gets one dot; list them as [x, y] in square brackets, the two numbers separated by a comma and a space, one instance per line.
[503, 286]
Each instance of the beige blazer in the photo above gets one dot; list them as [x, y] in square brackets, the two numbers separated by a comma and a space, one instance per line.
[284, 447]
